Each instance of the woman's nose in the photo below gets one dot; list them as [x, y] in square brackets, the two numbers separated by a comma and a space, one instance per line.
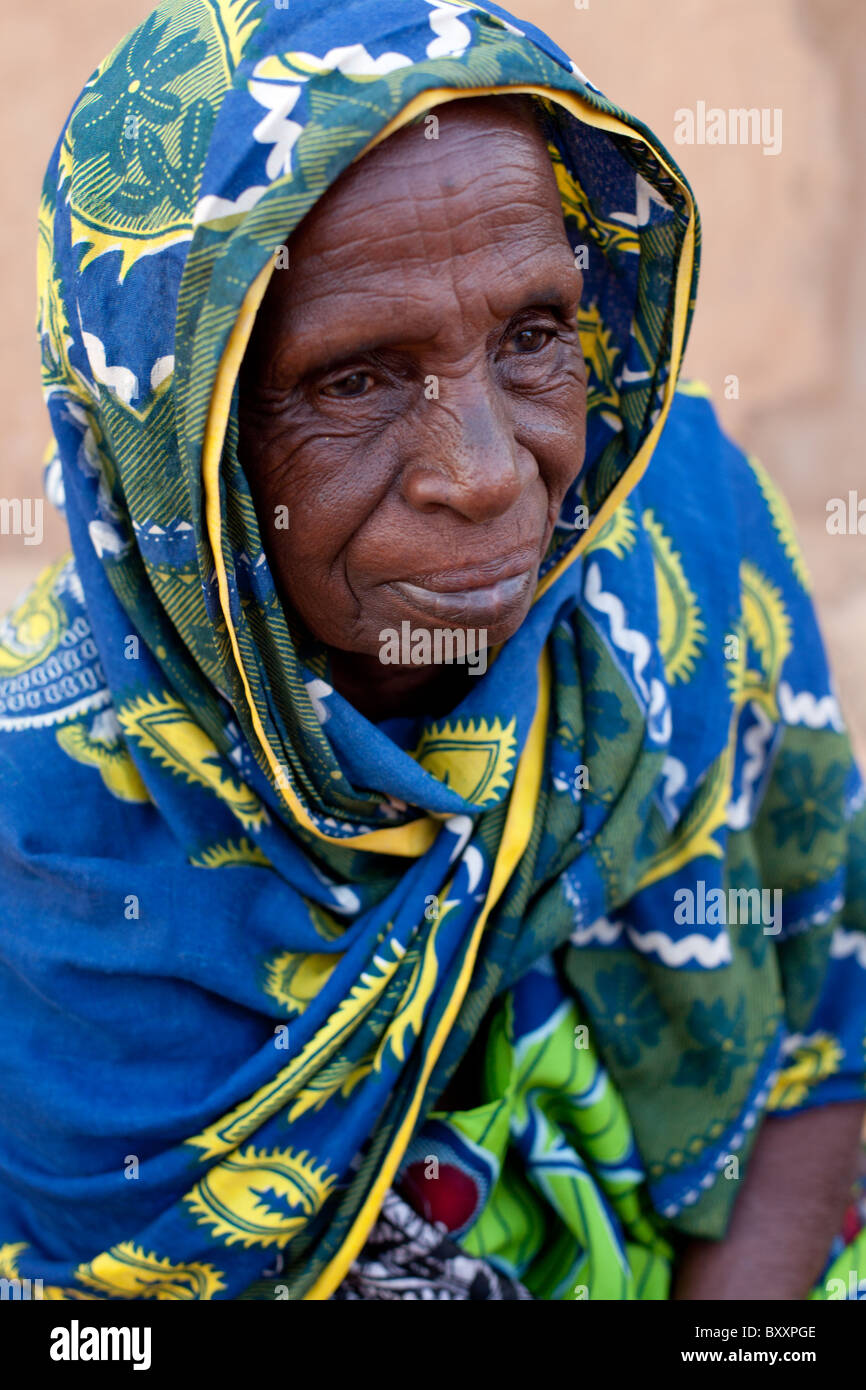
[464, 454]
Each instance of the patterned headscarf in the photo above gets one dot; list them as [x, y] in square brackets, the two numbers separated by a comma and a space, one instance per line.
[248, 935]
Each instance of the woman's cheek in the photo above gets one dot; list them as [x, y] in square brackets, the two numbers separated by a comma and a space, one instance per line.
[554, 431]
[324, 508]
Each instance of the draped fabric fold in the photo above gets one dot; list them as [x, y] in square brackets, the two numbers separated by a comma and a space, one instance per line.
[248, 935]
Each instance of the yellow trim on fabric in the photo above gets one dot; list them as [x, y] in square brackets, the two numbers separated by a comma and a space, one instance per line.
[410, 840]
[414, 839]
[694, 387]
[515, 838]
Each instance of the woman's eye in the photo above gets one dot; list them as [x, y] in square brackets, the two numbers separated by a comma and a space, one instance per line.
[346, 387]
[527, 340]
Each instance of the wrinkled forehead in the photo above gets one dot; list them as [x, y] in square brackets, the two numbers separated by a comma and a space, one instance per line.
[468, 204]
[474, 142]
[460, 141]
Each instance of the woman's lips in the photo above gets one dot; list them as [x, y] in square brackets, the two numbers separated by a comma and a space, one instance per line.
[478, 605]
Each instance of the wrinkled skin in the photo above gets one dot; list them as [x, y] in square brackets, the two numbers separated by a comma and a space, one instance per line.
[430, 265]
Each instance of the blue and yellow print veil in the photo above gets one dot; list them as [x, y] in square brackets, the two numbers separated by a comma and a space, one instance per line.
[247, 935]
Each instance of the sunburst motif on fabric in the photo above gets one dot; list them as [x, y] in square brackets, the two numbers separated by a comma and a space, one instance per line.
[261, 1198]
[9, 1257]
[226, 1132]
[133, 152]
[681, 628]
[165, 729]
[617, 534]
[330, 928]
[339, 1077]
[294, 978]
[231, 852]
[474, 758]
[31, 631]
[124, 1271]
[409, 1016]
[768, 628]
[815, 1058]
[695, 833]
[128, 1271]
[85, 741]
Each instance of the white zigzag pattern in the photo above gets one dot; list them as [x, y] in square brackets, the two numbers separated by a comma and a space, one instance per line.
[602, 930]
[755, 743]
[848, 943]
[275, 128]
[710, 952]
[707, 951]
[635, 644]
[211, 207]
[453, 36]
[806, 709]
[119, 379]
[674, 774]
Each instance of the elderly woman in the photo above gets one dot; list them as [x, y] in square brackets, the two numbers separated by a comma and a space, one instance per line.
[433, 863]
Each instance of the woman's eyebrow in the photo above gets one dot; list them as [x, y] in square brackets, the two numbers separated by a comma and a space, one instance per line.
[376, 346]
[545, 295]
[552, 298]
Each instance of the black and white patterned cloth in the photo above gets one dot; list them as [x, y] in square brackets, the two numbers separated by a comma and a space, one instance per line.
[406, 1257]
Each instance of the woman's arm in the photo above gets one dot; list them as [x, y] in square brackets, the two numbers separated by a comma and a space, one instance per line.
[794, 1195]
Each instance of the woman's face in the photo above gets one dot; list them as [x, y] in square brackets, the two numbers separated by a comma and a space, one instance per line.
[414, 392]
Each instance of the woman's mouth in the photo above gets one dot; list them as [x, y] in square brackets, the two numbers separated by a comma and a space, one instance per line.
[476, 605]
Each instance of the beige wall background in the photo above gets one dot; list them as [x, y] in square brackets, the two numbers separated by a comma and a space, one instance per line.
[783, 290]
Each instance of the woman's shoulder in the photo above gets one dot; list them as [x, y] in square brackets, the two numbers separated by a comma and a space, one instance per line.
[719, 496]
[736, 549]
